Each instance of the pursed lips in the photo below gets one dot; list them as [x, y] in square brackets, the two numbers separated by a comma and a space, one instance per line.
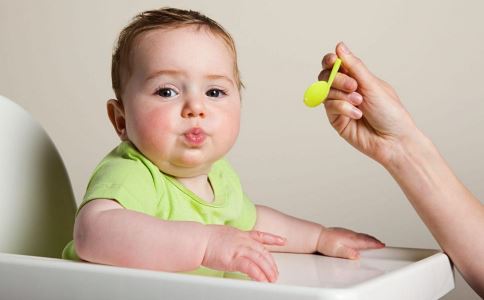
[195, 136]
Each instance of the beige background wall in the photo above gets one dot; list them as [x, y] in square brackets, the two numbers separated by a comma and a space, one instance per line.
[55, 62]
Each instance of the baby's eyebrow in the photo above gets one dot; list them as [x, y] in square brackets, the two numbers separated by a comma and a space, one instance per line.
[173, 73]
[177, 73]
[222, 77]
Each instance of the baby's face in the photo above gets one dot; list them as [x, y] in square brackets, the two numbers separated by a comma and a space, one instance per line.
[181, 102]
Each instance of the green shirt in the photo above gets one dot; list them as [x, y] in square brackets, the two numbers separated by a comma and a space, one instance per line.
[128, 177]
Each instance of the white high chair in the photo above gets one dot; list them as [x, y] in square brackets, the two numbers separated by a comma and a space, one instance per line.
[36, 216]
[37, 205]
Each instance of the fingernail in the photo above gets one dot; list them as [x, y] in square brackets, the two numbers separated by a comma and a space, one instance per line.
[344, 48]
[356, 113]
[356, 98]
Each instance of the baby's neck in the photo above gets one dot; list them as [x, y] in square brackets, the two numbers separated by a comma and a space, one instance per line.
[199, 185]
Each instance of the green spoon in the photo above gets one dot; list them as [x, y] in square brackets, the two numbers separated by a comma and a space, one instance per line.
[318, 91]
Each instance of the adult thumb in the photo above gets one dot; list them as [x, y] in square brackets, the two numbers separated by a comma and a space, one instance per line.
[354, 65]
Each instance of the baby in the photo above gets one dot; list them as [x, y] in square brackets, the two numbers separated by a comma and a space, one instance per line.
[165, 198]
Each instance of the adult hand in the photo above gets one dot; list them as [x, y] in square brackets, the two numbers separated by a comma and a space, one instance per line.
[364, 109]
[367, 113]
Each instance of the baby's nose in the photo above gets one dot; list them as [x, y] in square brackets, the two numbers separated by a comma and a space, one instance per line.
[194, 108]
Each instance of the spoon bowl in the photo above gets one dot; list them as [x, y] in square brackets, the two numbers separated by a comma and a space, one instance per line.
[316, 93]
[319, 90]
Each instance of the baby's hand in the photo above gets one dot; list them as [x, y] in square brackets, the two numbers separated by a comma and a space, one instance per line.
[340, 242]
[233, 250]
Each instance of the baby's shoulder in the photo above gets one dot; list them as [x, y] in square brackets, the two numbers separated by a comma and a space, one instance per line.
[123, 163]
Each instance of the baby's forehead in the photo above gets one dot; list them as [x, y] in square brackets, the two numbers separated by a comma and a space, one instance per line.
[181, 45]
[197, 34]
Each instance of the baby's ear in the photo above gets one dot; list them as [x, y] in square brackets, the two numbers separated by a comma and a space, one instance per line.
[116, 115]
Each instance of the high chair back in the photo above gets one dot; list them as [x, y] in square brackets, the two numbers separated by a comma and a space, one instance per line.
[37, 204]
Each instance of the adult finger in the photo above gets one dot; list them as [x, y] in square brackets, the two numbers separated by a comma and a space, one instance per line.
[328, 61]
[341, 107]
[354, 98]
[339, 122]
[341, 81]
[354, 65]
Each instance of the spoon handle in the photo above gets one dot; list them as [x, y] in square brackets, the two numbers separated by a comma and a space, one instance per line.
[334, 71]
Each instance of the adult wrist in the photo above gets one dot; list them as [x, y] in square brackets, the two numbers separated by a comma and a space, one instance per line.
[412, 149]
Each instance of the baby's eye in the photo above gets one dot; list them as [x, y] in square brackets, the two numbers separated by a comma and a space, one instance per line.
[215, 93]
[166, 92]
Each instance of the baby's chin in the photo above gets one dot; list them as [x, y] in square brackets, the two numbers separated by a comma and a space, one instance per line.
[186, 167]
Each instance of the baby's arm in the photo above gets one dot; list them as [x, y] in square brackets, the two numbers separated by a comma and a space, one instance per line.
[107, 233]
[309, 237]
[302, 236]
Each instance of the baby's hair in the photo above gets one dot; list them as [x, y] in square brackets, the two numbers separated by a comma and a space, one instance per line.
[163, 18]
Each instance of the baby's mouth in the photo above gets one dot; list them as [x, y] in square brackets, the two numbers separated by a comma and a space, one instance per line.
[195, 136]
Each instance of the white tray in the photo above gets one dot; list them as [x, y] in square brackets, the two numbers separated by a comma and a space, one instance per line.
[390, 273]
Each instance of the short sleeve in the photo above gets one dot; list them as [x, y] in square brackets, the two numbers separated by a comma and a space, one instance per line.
[126, 180]
[248, 215]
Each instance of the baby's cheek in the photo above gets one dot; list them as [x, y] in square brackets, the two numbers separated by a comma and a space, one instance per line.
[153, 128]
[230, 127]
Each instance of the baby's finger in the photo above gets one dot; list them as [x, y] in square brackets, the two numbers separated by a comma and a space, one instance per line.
[341, 107]
[371, 238]
[353, 98]
[346, 252]
[272, 261]
[341, 81]
[247, 266]
[257, 246]
[267, 238]
[365, 241]
[264, 262]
